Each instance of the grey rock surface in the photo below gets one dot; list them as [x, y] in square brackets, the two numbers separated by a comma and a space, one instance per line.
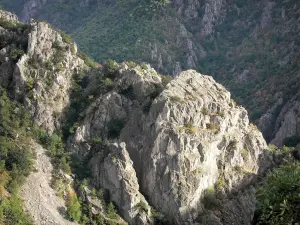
[190, 138]
[43, 76]
[288, 122]
[115, 172]
[8, 16]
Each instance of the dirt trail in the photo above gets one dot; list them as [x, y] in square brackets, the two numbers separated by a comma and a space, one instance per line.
[39, 198]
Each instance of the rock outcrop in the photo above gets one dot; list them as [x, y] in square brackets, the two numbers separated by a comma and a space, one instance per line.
[288, 122]
[8, 16]
[38, 62]
[210, 36]
[50, 84]
[115, 173]
[282, 121]
[192, 138]
[178, 147]
[189, 138]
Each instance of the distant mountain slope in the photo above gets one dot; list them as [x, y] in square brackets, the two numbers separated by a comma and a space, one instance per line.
[250, 47]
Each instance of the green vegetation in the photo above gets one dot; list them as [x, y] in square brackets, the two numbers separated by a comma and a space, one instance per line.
[87, 60]
[73, 208]
[13, 26]
[211, 126]
[15, 54]
[16, 159]
[204, 111]
[273, 148]
[59, 54]
[279, 197]
[155, 91]
[142, 206]
[65, 37]
[239, 170]
[209, 199]
[245, 154]
[165, 79]
[221, 183]
[176, 99]
[114, 127]
[188, 129]
[82, 98]
[291, 141]
[131, 64]
[110, 67]
[55, 146]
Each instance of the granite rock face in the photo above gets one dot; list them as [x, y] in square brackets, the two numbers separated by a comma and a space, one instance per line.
[288, 122]
[8, 16]
[37, 63]
[147, 142]
[192, 138]
[50, 84]
[115, 173]
[183, 140]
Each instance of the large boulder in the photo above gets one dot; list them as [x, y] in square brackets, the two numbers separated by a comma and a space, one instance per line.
[193, 138]
[188, 139]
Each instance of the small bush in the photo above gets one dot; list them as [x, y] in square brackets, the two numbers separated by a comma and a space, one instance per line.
[110, 67]
[205, 111]
[144, 66]
[108, 84]
[279, 197]
[221, 114]
[65, 37]
[292, 141]
[115, 127]
[272, 147]
[245, 154]
[111, 211]
[142, 206]
[211, 126]
[88, 61]
[188, 128]
[131, 64]
[176, 99]
[209, 198]
[165, 79]
[155, 91]
[16, 53]
[238, 169]
[221, 183]
[73, 208]
[128, 92]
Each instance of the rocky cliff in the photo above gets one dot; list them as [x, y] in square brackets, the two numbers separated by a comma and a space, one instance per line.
[182, 147]
[38, 65]
[187, 139]
[250, 48]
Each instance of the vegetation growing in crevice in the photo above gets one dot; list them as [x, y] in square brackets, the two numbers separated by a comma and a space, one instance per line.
[188, 128]
[210, 200]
